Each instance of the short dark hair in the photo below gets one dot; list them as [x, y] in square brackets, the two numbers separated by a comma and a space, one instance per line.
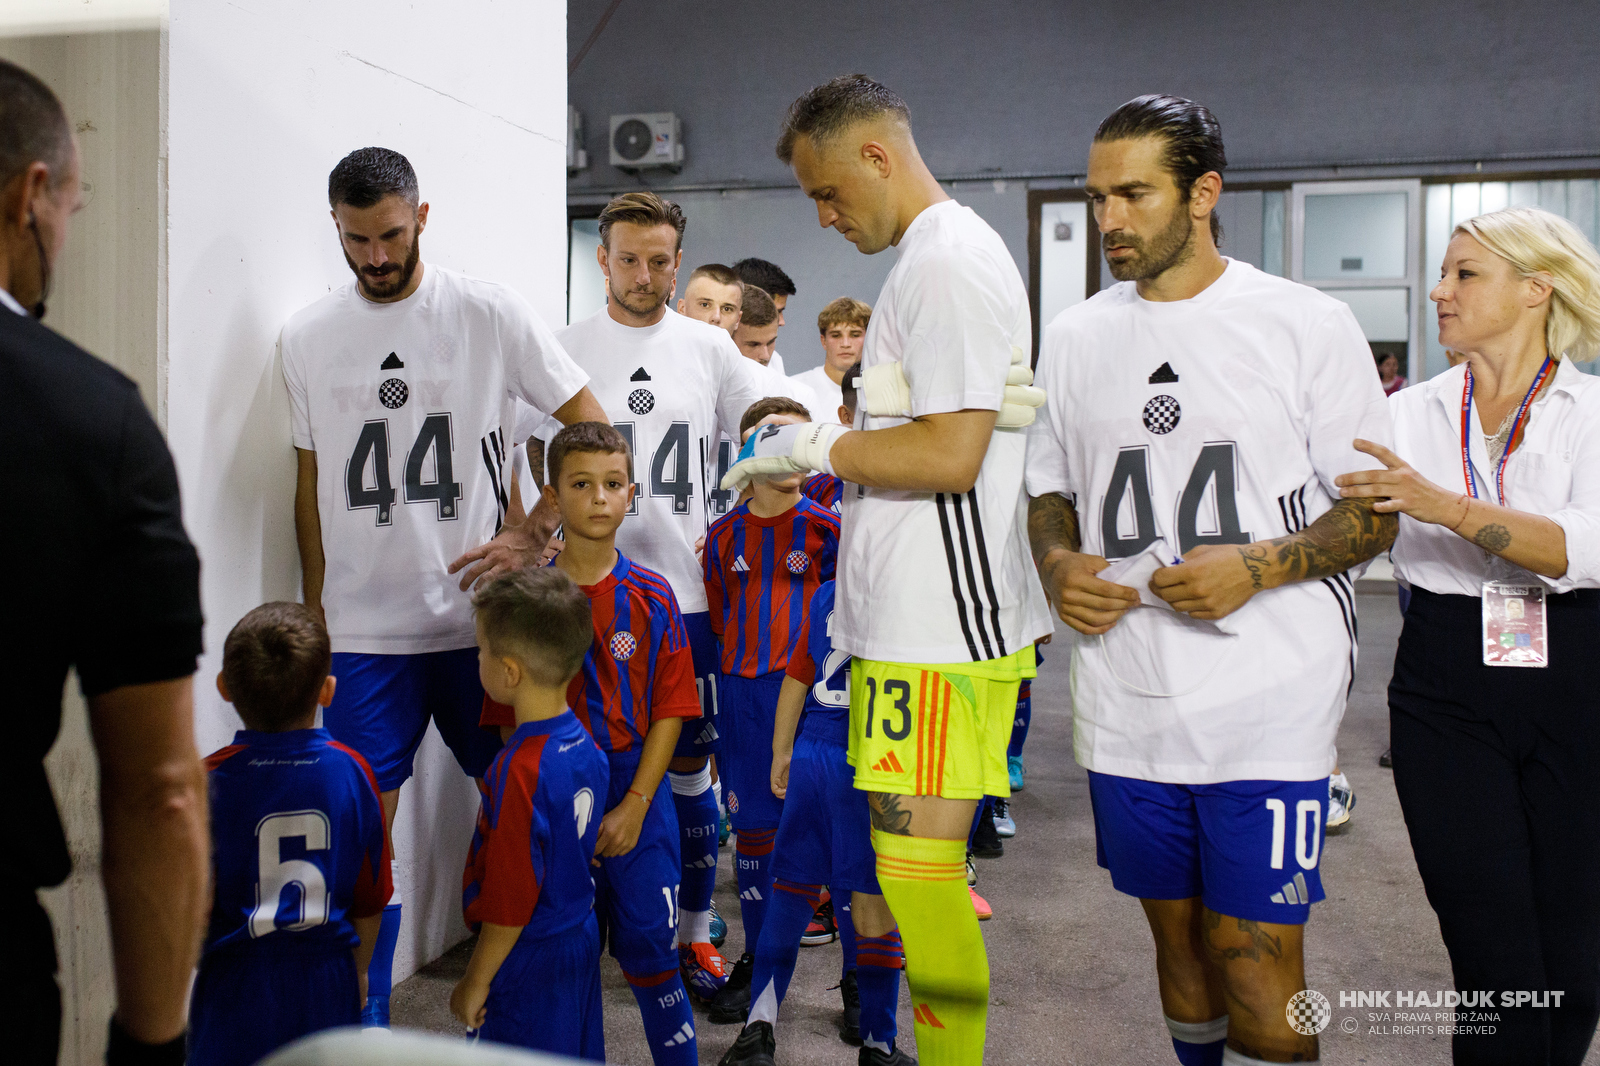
[33, 126]
[772, 405]
[1191, 132]
[641, 209]
[722, 275]
[274, 662]
[847, 385]
[825, 111]
[539, 616]
[756, 307]
[585, 437]
[765, 275]
[367, 175]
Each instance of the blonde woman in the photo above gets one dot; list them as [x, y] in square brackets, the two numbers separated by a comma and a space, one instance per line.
[1495, 702]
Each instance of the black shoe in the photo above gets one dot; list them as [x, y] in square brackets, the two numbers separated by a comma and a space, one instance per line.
[871, 1056]
[754, 1047]
[732, 1004]
[986, 841]
[850, 1022]
[1386, 760]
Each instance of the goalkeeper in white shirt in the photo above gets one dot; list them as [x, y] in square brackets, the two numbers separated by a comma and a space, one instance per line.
[937, 598]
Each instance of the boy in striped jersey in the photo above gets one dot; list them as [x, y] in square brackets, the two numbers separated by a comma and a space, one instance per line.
[763, 562]
[632, 695]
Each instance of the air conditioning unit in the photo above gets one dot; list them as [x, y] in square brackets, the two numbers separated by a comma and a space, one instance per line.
[648, 140]
[577, 157]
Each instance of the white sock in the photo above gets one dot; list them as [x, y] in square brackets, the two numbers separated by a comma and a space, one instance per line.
[764, 1008]
[694, 927]
[1231, 1057]
[1198, 1032]
[716, 787]
[692, 783]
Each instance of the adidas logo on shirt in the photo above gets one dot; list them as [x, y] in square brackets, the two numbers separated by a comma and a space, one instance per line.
[740, 566]
[640, 375]
[1293, 891]
[752, 893]
[889, 765]
[1164, 375]
[392, 363]
[682, 1036]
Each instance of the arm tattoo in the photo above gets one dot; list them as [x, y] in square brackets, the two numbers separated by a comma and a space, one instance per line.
[536, 461]
[887, 814]
[1261, 943]
[1052, 523]
[1494, 538]
[1350, 532]
[1256, 561]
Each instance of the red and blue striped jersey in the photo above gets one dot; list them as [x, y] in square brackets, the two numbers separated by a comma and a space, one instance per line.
[639, 669]
[297, 842]
[826, 489]
[543, 798]
[760, 576]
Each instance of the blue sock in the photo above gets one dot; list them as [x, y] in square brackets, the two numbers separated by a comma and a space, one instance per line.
[787, 917]
[1019, 727]
[697, 812]
[1199, 1043]
[668, 1018]
[380, 974]
[879, 960]
[753, 862]
[847, 933]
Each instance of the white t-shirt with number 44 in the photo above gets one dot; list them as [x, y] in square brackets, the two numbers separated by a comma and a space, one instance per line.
[408, 407]
[1222, 420]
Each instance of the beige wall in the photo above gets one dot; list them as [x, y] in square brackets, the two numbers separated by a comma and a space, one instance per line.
[105, 299]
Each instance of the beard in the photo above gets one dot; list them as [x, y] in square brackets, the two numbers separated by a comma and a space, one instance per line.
[642, 302]
[1150, 259]
[381, 283]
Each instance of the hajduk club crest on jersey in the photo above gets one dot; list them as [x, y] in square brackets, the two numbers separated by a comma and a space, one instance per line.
[623, 645]
[797, 561]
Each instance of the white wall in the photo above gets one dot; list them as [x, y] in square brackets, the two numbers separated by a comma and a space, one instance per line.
[264, 97]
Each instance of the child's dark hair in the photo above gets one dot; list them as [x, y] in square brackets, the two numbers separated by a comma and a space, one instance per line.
[540, 617]
[847, 385]
[585, 437]
[772, 405]
[274, 662]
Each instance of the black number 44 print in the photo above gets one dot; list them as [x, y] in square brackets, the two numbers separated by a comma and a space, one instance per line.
[367, 480]
[1130, 479]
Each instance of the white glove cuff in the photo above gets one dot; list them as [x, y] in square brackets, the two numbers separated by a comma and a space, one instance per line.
[813, 443]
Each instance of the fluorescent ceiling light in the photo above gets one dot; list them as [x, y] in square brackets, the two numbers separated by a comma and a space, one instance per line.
[22, 18]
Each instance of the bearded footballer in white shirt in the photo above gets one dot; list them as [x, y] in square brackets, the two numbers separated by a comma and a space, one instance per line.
[937, 598]
[1202, 409]
[401, 388]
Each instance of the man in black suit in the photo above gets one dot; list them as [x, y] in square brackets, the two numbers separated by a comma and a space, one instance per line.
[102, 579]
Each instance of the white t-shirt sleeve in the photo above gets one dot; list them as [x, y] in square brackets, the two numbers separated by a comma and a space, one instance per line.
[1048, 469]
[1344, 398]
[958, 334]
[741, 383]
[538, 370]
[299, 409]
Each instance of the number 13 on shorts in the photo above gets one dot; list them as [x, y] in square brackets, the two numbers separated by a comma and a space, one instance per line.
[917, 730]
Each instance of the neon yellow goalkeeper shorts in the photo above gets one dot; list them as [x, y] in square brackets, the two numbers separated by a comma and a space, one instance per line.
[935, 729]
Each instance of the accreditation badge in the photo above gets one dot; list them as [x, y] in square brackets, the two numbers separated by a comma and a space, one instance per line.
[1514, 629]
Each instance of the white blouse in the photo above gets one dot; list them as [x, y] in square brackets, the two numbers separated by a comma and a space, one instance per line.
[1555, 472]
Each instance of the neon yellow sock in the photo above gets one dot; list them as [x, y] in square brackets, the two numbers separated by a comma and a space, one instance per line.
[924, 882]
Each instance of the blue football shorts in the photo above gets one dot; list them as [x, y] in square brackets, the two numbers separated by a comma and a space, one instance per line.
[636, 894]
[699, 737]
[1248, 849]
[825, 833]
[546, 995]
[383, 703]
[247, 1003]
[748, 711]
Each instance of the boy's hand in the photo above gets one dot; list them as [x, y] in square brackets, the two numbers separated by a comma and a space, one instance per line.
[619, 829]
[466, 1003]
[780, 774]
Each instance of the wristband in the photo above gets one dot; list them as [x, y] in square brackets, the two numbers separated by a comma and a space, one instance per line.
[641, 795]
[122, 1049]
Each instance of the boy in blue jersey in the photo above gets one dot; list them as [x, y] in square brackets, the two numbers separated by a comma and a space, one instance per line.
[301, 858]
[636, 688]
[764, 560]
[534, 977]
[824, 838]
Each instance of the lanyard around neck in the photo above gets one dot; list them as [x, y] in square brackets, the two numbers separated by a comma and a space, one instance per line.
[1505, 454]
